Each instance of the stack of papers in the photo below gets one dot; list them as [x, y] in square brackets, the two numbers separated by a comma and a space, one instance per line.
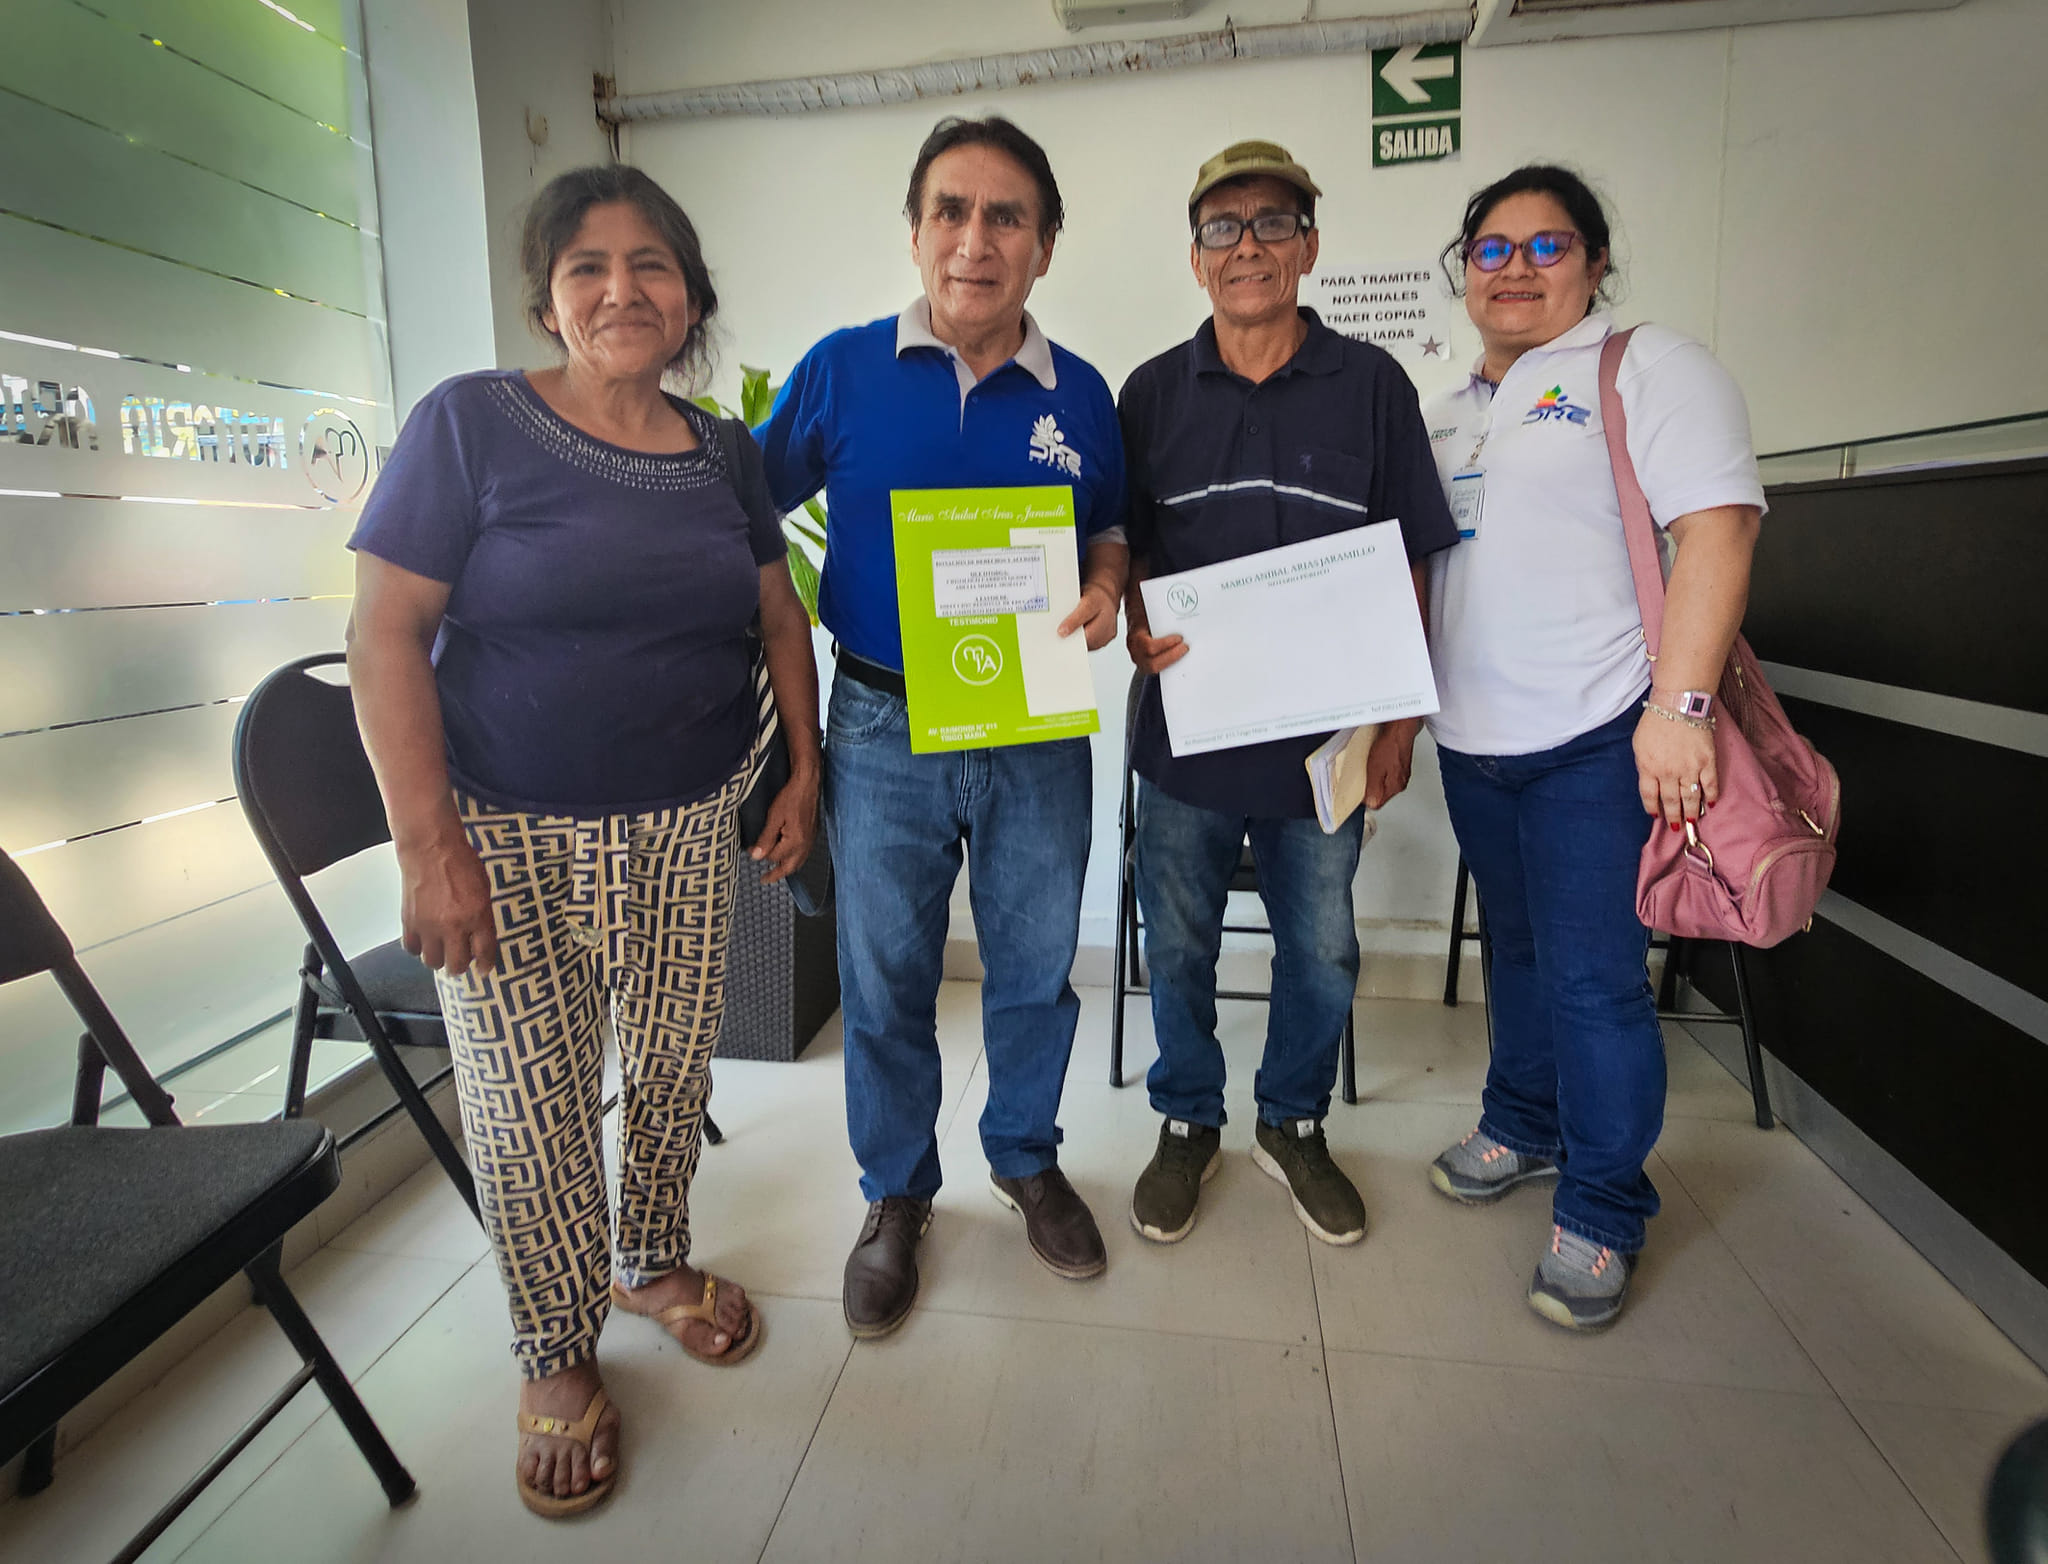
[1336, 775]
[1303, 638]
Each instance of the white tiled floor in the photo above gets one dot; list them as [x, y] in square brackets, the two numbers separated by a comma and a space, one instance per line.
[1792, 1381]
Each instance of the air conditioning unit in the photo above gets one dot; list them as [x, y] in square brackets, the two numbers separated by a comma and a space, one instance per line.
[1535, 21]
[1077, 14]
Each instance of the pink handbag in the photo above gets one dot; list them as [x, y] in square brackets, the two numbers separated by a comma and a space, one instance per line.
[1754, 868]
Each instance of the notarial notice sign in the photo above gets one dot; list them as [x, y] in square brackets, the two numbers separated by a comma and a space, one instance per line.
[1397, 305]
[1417, 98]
[983, 579]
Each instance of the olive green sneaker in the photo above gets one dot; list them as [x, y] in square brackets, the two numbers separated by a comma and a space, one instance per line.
[1327, 1202]
[1163, 1204]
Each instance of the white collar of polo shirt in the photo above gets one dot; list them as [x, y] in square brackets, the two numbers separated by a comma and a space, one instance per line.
[1596, 327]
[914, 330]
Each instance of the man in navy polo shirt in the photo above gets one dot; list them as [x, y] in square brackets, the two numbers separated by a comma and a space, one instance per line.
[962, 390]
[1267, 428]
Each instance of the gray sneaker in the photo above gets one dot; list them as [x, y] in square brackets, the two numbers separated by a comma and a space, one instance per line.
[1479, 1170]
[1327, 1202]
[1163, 1204]
[1579, 1284]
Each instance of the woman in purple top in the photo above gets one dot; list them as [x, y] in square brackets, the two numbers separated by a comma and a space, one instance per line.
[555, 580]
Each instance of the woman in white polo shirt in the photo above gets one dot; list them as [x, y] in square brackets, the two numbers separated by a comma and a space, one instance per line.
[1554, 737]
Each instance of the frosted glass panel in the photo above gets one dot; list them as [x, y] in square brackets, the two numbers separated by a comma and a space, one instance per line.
[64, 553]
[80, 666]
[111, 189]
[114, 300]
[69, 782]
[302, 67]
[63, 56]
[184, 985]
[194, 401]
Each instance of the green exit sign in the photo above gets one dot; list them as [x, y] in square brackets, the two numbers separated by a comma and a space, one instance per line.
[1418, 78]
[1414, 141]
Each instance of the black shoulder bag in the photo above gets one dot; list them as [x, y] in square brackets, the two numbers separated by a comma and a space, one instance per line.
[810, 885]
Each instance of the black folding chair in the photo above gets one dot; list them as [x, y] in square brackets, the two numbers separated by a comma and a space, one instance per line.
[311, 798]
[1667, 993]
[109, 1237]
[1130, 978]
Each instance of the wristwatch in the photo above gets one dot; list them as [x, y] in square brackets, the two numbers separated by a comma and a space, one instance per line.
[1691, 703]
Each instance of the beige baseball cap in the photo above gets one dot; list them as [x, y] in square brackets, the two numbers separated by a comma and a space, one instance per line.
[1242, 159]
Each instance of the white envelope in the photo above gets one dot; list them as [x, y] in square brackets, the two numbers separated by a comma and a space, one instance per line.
[1300, 639]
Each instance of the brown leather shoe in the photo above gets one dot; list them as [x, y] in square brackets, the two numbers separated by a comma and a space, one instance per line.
[881, 1273]
[1057, 1222]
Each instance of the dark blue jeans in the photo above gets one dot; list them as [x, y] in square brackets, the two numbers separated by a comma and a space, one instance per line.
[899, 824]
[1186, 857]
[1552, 840]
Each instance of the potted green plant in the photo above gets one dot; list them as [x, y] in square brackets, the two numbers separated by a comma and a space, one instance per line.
[782, 970]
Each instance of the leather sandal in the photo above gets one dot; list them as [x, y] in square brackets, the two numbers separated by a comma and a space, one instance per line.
[555, 1506]
[677, 1315]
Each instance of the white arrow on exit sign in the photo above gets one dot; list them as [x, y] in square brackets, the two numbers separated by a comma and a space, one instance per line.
[1407, 70]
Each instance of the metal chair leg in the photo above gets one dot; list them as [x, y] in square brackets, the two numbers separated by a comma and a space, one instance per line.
[1486, 974]
[1752, 1051]
[1457, 954]
[275, 1296]
[712, 1132]
[421, 1111]
[305, 1012]
[1119, 982]
[38, 1464]
[1351, 1058]
[1667, 986]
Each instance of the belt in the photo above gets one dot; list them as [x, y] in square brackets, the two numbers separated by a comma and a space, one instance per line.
[873, 675]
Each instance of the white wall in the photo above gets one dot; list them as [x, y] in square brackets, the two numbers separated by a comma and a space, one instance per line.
[534, 60]
[1842, 209]
[430, 192]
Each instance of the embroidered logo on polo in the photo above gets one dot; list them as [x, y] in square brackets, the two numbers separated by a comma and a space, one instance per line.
[1048, 445]
[1555, 405]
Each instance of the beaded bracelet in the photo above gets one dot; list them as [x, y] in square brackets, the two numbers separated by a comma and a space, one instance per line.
[1679, 716]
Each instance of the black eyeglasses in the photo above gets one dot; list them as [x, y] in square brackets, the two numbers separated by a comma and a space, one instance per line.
[1490, 252]
[1223, 233]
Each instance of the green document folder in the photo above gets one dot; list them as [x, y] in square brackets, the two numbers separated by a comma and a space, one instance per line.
[983, 579]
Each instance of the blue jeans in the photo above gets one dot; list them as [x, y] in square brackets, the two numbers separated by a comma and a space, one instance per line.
[1186, 857]
[1552, 840]
[899, 823]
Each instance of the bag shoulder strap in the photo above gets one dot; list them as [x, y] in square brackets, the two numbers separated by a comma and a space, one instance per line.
[1636, 524]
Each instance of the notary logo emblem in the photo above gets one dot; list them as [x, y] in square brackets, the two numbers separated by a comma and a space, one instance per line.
[337, 456]
[977, 659]
[1183, 599]
[1048, 445]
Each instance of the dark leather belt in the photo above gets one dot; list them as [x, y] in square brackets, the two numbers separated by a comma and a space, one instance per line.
[873, 675]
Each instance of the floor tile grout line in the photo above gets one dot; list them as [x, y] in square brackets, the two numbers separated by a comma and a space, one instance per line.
[326, 1406]
[1748, 1275]
[1330, 1397]
[1892, 1467]
[1110, 1325]
[797, 1471]
[1835, 1390]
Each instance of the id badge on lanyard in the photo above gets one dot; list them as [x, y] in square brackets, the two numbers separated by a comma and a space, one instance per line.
[1468, 502]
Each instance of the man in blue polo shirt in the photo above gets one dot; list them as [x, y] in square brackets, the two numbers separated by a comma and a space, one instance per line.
[962, 390]
[1267, 428]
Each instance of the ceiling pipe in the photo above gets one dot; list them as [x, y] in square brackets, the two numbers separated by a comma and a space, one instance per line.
[1068, 62]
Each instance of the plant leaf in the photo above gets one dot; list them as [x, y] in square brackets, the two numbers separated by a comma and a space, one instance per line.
[804, 575]
[757, 397]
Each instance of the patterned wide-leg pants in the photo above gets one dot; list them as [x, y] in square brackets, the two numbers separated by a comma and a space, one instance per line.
[626, 915]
